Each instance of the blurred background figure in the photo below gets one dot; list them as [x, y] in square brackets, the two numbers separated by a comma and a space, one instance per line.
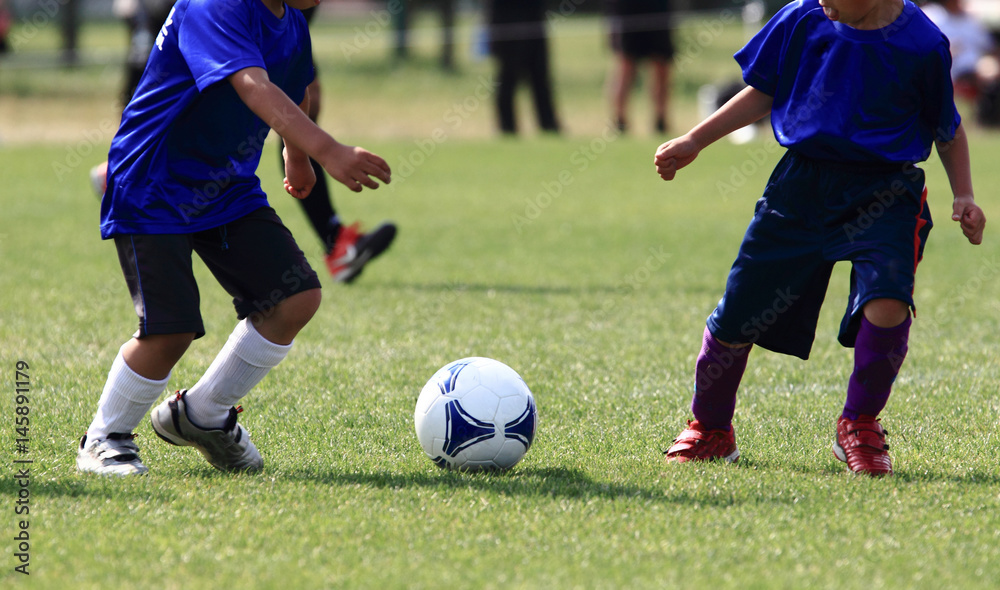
[640, 31]
[402, 12]
[519, 42]
[975, 68]
[144, 18]
[346, 249]
[5, 21]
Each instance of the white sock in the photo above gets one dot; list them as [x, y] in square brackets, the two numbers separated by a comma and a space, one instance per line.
[242, 363]
[126, 398]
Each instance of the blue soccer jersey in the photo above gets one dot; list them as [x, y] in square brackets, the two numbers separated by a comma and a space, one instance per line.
[186, 154]
[850, 95]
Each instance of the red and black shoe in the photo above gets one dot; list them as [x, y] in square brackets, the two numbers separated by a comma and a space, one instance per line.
[353, 250]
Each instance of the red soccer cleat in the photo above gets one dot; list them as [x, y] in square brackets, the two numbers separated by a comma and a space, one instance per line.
[697, 443]
[353, 250]
[861, 444]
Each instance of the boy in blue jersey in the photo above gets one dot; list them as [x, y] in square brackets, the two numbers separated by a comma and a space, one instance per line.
[858, 92]
[182, 179]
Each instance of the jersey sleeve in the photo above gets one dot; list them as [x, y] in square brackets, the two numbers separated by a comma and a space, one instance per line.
[940, 111]
[760, 59]
[216, 41]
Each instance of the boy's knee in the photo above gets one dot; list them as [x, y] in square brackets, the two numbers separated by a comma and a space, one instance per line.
[886, 313]
[167, 344]
[310, 301]
[301, 307]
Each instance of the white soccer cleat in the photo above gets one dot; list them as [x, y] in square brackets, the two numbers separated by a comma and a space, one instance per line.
[114, 455]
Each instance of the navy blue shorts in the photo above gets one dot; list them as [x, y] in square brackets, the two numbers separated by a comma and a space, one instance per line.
[254, 258]
[812, 215]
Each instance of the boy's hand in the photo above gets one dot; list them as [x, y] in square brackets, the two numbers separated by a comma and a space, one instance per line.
[356, 167]
[971, 217]
[300, 178]
[674, 155]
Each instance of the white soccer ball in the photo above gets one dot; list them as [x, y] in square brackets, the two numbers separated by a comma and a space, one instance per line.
[475, 414]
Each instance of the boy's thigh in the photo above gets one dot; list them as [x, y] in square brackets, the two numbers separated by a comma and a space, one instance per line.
[158, 272]
[257, 261]
[884, 261]
[776, 286]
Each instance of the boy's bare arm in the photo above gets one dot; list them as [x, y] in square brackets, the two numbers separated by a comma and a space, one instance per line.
[352, 166]
[955, 159]
[300, 178]
[747, 107]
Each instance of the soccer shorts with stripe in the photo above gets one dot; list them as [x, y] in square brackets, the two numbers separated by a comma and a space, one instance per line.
[813, 214]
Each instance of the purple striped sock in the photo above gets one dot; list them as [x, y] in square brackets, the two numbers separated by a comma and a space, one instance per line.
[717, 376]
[878, 354]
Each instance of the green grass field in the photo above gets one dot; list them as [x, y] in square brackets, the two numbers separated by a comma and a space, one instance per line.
[566, 258]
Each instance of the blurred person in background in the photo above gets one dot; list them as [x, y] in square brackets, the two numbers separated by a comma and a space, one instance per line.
[402, 13]
[346, 249]
[975, 68]
[5, 21]
[519, 42]
[640, 31]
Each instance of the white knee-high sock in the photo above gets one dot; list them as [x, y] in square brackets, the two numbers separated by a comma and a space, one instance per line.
[126, 398]
[244, 360]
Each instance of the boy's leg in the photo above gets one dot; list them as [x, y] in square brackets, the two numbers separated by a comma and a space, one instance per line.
[138, 375]
[253, 349]
[275, 293]
[718, 372]
[884, 258]
[879, 350]
[157, 270]
[205, 417]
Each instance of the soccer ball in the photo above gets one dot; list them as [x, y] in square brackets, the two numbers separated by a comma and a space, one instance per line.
[475, 414]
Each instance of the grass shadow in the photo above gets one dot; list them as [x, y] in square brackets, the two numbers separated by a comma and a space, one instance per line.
[553, 482]
[511, 289]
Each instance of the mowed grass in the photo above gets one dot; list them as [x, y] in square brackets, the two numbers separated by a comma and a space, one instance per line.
[569, 260]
